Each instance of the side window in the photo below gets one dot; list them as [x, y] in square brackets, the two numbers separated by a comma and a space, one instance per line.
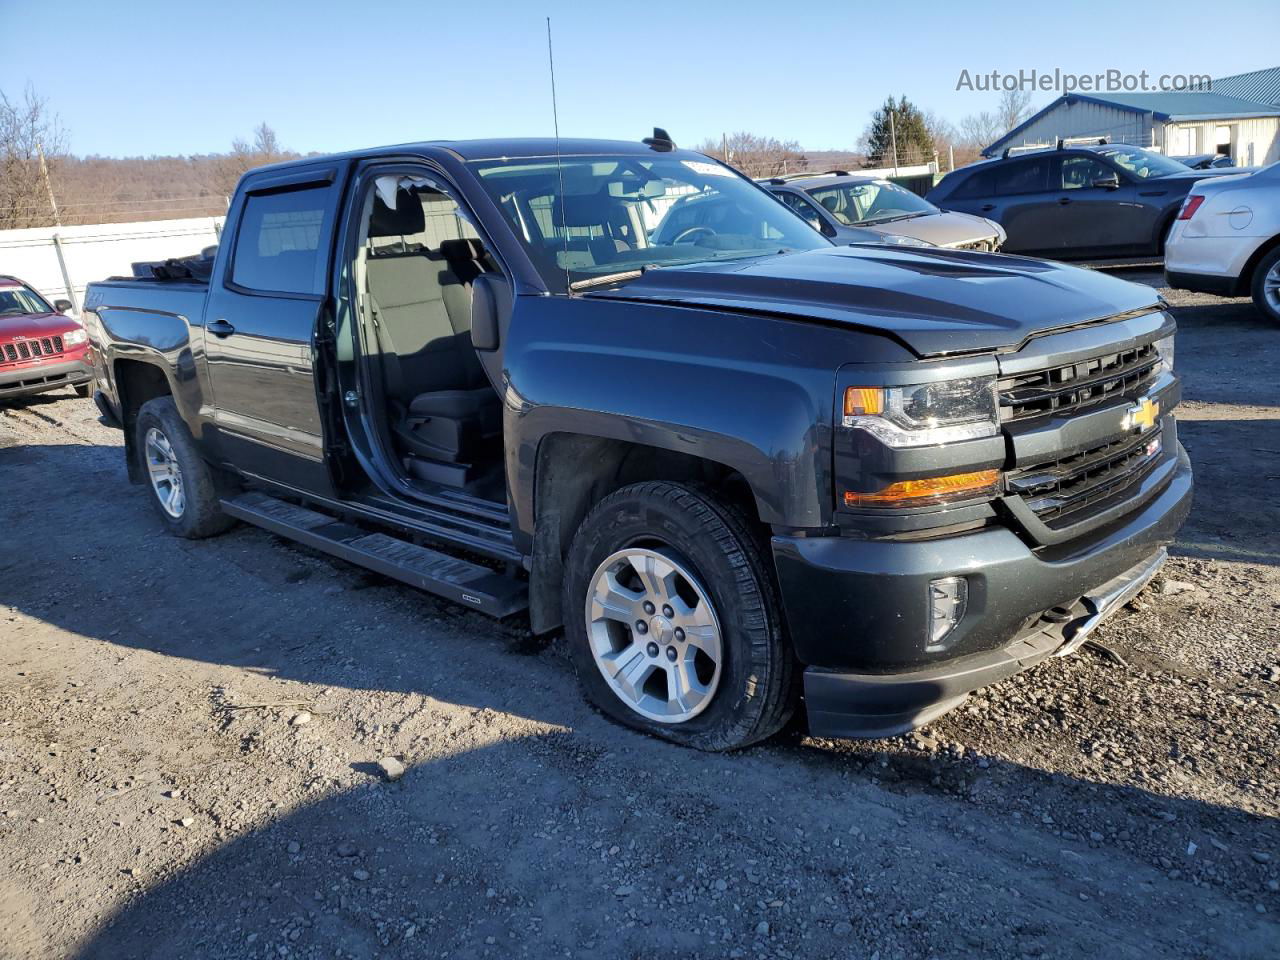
[1025, 176]
[981, 183]
[279, 243]
[801, 206]
[1080, 172]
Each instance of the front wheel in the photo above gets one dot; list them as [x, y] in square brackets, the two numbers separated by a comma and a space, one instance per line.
[83, 390]
[184, 489]
[673, 619]
[1266, 286]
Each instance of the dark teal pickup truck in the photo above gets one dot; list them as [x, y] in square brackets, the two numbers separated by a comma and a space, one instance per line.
[619, 386]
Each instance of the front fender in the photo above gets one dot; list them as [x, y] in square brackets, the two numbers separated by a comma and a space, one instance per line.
[752, 393]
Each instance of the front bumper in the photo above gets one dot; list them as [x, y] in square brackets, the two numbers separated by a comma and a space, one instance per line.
[22, 381]
[859, 614]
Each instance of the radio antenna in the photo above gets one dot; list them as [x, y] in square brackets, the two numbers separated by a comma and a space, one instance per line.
[555, 117]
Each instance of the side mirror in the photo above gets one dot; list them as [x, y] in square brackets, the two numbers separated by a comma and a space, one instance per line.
[63, 306]
[1111, 182]
[490, 303]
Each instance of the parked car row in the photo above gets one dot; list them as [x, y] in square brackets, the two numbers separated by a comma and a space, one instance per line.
[1096, 201]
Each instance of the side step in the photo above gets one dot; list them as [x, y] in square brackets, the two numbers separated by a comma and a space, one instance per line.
[467, 583]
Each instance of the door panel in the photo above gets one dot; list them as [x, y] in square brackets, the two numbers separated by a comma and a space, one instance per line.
[1097, 221]
[259, 327]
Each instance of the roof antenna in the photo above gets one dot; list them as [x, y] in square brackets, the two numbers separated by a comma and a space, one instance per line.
[555, 116]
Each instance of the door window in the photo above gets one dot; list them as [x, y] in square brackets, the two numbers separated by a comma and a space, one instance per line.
[278, 246]
[1024, 176]
[981, 183]
[806, 209]
[1080, 172]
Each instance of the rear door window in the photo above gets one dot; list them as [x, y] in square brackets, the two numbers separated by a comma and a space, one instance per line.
[281, 243]
[981, 183]
[1022, 176]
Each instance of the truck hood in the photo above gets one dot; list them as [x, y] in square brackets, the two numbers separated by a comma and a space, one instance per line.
[934, 301]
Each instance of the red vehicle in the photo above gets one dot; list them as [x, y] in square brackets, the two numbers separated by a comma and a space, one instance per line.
[40, 348]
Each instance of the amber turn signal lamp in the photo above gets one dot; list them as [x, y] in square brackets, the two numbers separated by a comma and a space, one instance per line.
[915, 493]
[863, 401]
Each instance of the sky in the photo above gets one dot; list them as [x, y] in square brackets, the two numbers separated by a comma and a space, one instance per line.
[141, 78]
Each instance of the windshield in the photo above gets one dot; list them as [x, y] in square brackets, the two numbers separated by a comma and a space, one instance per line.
[867, 202]
[623, 215]
[15, 301]
[1143, 163]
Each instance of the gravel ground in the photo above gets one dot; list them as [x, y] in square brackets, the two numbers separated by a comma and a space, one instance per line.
[190, 738]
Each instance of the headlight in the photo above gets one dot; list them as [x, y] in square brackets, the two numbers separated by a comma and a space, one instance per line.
[899, 240]
[926, 414]
[73, 337]
[1165, 349]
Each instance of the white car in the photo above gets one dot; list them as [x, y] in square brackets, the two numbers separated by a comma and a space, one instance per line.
[1226, 239]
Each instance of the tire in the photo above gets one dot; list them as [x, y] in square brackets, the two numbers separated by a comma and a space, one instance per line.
[717, 575]
[168, 454]
[1265, 287]
[83, 390]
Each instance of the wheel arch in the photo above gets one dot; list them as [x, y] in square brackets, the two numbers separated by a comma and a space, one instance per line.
[575, 471]
[1244, 282]
[136, 382]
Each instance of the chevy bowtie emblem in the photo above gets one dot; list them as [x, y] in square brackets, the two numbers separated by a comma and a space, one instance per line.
[1142, 415]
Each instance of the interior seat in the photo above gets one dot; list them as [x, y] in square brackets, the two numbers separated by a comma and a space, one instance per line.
[445, 414]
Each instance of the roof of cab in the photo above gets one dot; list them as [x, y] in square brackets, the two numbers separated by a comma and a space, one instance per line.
[510, 148]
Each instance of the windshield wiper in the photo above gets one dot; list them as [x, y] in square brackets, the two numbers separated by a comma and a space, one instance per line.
[607, 278]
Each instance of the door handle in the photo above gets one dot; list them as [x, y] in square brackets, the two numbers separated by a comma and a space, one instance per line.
[1063, 201]
[220, 328]
[988, 206]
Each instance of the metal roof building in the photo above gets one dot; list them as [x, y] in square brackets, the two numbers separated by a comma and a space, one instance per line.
[1239, 118]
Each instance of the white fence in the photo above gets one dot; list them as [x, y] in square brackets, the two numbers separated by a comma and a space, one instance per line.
[60, 261]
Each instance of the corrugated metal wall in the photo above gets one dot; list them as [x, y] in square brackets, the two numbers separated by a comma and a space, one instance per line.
[1083, 119]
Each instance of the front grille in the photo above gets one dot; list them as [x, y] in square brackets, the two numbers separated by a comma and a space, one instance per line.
[31, 349]
[1057, 490]
[1060, 391]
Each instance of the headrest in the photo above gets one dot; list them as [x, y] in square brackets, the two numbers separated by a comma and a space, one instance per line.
[462, 251]
[585, 210]
[405, 220]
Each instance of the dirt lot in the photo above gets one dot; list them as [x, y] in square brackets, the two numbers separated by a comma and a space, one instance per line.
[189, 735]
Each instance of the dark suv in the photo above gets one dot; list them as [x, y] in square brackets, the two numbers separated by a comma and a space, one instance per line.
[1076, 202]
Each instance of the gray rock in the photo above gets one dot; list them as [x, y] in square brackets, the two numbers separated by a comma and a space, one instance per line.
[625, 890]
[361, 875]
[345, 849]
[1261, 857]
[762, 928]
[294, 846]
[842, 929]
[300, 718]
[391, 768]
[1171, 588]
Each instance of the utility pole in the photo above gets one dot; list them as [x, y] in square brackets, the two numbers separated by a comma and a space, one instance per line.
[951, 156]
[48, 185]
[893, 141]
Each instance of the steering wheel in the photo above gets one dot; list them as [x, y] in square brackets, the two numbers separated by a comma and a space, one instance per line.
[687, 231]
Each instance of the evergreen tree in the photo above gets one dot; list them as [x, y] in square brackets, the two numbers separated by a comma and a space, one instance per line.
[909, 130]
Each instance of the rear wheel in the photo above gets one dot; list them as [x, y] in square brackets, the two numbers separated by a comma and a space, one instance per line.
[673, 619]
[1266, 286]
[184, 489]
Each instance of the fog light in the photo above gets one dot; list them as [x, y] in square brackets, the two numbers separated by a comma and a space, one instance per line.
[948, 598]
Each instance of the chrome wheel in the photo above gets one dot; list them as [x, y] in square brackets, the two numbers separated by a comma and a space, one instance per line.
[166, 476]
[1271, 287]
[654, 635]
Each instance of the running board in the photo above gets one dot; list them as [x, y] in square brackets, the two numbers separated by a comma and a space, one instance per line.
[467, 583]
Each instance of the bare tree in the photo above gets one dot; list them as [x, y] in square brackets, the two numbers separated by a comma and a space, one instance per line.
[979, 129]
[26, 128]
[244, 156]
[757, 156]
[1013, 108]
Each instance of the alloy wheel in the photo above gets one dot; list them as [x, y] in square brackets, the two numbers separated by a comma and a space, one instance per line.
[1271, 287]
[164, 472]
[654, 634]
